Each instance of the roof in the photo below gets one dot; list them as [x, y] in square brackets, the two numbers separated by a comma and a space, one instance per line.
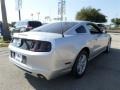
[72, 22]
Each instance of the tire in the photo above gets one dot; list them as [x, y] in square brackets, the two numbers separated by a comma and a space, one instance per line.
[80, 64]
[108, 47]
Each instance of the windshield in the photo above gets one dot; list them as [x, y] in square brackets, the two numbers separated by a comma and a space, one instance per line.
[55, 27]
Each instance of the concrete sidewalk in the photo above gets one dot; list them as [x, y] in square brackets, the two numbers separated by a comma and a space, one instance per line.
[3, 49]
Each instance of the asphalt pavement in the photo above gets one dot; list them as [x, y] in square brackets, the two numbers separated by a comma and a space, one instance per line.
[103, 73]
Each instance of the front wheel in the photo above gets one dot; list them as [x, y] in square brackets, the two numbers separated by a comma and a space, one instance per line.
[80, 64]
[108, 47]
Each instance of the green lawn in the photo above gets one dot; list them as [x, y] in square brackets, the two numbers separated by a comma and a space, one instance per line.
[3, 43]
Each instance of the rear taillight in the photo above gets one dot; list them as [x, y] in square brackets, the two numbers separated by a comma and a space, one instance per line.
[32, 45]
[42, 46]
[29, 27]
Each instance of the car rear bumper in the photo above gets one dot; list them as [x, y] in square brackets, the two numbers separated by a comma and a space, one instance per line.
[39, 64]
[47, 74]
[38, 72]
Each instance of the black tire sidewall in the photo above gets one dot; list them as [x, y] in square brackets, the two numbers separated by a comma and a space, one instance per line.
[74, 69]
[108, 50]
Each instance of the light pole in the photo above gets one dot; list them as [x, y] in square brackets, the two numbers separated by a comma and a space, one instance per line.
[32, 15]
[18, 8]
[61, 9]
[19, 15]
[5, 31]
[38, 14]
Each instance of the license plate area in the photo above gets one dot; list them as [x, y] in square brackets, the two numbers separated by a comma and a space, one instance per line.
[18, 57]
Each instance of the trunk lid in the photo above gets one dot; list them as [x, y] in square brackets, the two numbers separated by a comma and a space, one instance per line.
[37, 35]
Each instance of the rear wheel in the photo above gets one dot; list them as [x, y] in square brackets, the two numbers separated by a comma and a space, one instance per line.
[80, 64]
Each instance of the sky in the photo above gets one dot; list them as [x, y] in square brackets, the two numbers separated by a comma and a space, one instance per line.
[110, 8]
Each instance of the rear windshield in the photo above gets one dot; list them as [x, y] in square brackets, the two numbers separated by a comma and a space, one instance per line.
[55, 27]
[19, 24]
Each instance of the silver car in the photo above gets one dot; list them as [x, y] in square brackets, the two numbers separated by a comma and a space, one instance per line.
[57, 48]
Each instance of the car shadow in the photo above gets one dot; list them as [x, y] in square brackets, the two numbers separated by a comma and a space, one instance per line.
[103, 73]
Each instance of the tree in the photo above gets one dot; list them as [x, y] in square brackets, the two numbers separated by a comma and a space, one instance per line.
[5, 31]
[91, 14]
[116, 21]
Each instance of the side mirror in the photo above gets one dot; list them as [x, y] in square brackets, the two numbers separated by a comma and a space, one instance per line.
[104, 31]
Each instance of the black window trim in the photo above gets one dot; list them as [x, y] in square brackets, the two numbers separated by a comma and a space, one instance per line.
[79, 27]
[100, 32]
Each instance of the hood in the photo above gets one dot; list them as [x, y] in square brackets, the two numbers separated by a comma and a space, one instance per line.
[38, 35]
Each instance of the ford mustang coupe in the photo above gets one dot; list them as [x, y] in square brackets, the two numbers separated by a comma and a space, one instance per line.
[53, 49]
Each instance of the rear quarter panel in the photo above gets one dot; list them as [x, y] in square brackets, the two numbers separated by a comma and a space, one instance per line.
[67, 49]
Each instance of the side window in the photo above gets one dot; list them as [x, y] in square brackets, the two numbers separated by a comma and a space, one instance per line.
[35, 24]
[38, 24]
[93, 29]
[81, 29]
[31, 24]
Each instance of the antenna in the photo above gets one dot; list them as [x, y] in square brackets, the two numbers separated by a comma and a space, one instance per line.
[62, 30]
[61, 12]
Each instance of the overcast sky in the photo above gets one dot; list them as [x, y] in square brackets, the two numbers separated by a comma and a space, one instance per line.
[111, 8]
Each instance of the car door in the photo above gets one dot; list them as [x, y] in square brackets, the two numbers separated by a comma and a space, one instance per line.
[98, 38]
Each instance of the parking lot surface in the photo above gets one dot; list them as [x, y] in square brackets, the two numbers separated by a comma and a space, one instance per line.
[103, 73]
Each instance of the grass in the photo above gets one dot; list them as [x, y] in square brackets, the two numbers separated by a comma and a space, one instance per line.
[3, 43]
[115, 28]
